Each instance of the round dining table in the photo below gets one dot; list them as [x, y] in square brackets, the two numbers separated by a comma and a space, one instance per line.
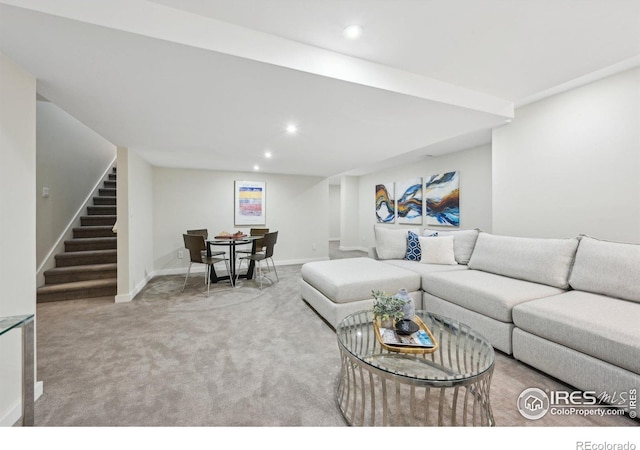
[232, 242]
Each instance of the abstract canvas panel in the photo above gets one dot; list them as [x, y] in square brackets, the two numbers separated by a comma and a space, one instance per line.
[385, 203]
[410, 201]
[250, 203]
[442, 193]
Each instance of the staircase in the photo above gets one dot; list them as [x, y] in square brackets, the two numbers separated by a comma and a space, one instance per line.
[88, 266]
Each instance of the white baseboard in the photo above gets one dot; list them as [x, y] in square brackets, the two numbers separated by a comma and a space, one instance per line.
[14, 414]
[124, 298]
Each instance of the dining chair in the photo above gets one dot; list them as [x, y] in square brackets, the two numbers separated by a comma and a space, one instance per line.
[195, 243]
[270, 240]
[259, 243]
[204, 232]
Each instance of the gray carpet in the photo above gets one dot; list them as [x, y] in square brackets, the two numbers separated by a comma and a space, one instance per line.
[240, 357]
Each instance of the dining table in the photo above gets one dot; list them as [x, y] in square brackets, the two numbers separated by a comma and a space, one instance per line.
[232, 242]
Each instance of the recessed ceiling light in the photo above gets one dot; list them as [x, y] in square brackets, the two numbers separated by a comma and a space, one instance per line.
[352, 32]
[267, 154]
[256, 167]
[292, 128]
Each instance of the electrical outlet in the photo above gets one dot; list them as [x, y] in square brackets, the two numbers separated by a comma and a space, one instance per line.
[180, 254]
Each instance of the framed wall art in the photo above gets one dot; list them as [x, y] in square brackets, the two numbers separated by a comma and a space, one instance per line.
[385, 203]
[442, 194]
[250, 203]
[410, 201]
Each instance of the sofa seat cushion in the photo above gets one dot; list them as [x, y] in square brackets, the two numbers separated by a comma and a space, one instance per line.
[609, 268]
[599, 326]
[423, 269]
[546, 261]
[485, 293]
[352, 279]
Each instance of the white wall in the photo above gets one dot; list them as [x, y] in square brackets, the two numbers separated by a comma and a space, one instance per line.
[349, 220]
[71, 160]
[334, 212]
[296, 206]
[17, 223]
[474, 166]
[135, 224]
[570, 164]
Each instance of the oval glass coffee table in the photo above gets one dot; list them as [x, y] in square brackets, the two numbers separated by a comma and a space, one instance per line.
[448, 387]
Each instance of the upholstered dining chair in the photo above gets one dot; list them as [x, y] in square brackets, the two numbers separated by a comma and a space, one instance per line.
[270, 240]
[195, 243]
[204, 232]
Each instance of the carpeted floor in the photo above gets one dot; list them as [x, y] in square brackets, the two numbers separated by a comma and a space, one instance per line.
[240, 357]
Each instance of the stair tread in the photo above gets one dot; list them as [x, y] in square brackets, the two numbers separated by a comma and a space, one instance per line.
[106, 282]
[83, 268]
[88, 240]
[87, 252]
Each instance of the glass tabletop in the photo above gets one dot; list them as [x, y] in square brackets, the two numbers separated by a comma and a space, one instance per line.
[9, 323]
[233, 241]
[462, 353]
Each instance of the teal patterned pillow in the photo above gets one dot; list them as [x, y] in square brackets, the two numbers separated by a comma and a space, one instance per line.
[413, 247]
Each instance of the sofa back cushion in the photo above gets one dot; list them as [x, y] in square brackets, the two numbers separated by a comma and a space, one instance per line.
[463, 242]
[391, 243]
[545, 261]
[608, 268]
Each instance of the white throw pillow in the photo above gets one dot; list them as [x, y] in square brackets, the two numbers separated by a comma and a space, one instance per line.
[463, 242]
[437, 250]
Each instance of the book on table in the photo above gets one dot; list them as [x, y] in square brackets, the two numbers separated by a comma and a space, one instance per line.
[418, 339]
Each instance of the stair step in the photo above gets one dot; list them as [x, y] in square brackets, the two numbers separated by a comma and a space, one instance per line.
[97, 220]
[104, 200]
[115, 169]
[102, 210]
[88, 272]
[93, 231]
[78, 289]
[109, 184]
[107, 192]
[86, 244]
[86, 257]
[112, 176]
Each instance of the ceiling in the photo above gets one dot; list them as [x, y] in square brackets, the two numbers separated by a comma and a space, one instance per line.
[213, 83]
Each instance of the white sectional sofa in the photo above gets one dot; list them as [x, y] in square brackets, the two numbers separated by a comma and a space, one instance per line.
[569, 307]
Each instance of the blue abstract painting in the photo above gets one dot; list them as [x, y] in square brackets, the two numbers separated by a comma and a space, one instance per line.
[442, 193]
[385, 203]
[410, 201]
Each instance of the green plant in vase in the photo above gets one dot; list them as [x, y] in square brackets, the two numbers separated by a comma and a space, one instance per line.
[387, 308]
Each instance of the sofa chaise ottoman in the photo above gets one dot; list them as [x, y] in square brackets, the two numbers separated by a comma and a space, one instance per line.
[337, 288]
